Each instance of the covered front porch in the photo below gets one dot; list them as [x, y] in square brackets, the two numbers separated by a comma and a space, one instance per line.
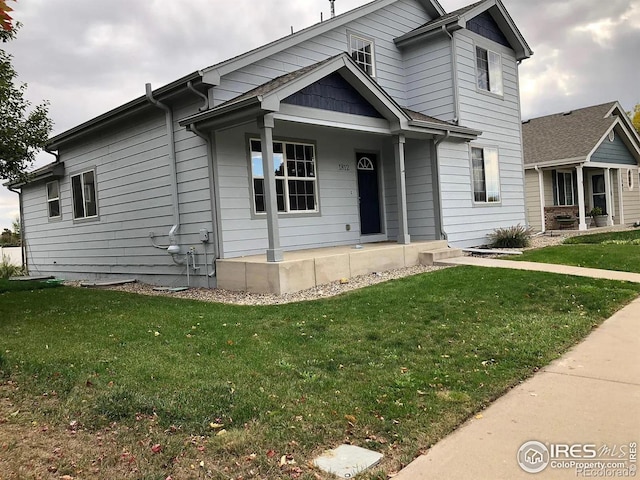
[587, 195]
[303, 269]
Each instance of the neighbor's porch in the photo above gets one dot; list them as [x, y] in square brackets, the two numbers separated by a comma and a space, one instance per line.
[569, 194]
[303, 269]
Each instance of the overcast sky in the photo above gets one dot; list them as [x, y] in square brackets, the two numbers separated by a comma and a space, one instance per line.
[87, 57]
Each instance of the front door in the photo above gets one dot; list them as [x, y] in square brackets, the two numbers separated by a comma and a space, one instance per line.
[369, 193]
[598, 189]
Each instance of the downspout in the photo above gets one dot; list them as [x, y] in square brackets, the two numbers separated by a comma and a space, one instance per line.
[23, 243]
[454, 76]
[214, 203]
[436, 184]
[173, 247]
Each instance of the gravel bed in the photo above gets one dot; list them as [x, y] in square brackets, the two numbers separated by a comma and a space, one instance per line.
[245, 298]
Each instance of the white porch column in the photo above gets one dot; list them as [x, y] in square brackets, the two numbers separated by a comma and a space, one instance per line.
[620, 196]
[401, 188]
[541, 185]
[608, 195]
[581, 205]
[274, 252]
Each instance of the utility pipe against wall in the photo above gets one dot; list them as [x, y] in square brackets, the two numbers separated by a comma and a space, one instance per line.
[23, 238]
[437, 182]
[171, 147]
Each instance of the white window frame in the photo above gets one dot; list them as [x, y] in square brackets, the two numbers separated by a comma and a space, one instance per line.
[493, 71]
[612, 136]
[285, 177]
[556, 199]
[84, 192]
[493, 196]
[51, 200]
[358, 43]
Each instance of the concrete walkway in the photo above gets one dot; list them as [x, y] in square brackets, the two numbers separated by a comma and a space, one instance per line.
[591, 395]
[542, 267]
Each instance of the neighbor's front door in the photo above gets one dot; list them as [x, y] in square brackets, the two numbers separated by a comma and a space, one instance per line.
[368, 192]
[598, 189]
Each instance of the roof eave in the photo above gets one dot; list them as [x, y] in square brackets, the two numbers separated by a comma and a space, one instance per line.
[134, 106]
[53, 171]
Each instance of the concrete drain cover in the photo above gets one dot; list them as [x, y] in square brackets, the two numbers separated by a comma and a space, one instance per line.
[347, 461]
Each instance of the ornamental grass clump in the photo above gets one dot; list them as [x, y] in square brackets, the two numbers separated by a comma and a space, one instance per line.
[517, 236]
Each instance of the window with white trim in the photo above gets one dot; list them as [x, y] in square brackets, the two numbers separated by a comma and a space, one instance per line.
[564, 188]
[361, 51]
[612, 136]
[486, 174]
[83, 190]
[295, 172]
[630, 176]
[489, 70]
[53, 199]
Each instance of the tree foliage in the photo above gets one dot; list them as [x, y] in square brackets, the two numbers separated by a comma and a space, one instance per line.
[5, 18]
[635, 117]
[23, 130]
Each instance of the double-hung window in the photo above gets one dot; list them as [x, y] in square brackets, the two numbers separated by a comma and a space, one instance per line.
[53, 199]
[486, 174]
[295, 172]
[83, 190]
[489, 71]
[564, 188]
[361, 50]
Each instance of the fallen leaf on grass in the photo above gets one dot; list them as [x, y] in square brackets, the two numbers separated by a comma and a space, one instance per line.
[157, 448]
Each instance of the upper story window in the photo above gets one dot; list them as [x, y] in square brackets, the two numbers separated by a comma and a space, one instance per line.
[295, 172]
[361, 50]
[489, 71]
[564, 188]
[83, 190]
[53, 199]
[486, 174]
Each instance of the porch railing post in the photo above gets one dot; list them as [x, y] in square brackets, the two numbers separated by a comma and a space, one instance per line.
[401, 187]
[543, 218]
[274, 252]
[609, 196]
[620, 196]
[581, 204]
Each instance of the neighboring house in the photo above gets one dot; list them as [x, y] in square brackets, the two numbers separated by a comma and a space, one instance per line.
[578, 160]
[392, 122]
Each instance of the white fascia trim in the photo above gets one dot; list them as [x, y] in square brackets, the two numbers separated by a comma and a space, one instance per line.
[556, 163]
[613, 166]
[626, 122]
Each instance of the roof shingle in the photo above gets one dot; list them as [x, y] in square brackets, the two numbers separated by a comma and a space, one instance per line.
[564, 136]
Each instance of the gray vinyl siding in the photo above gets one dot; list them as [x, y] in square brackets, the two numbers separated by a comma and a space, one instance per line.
[613, 152]
[631, 199]
[532, 194]
[429, 78]
[245, 233]
[420, 202]
[382, 26]
[467, 223]
[134, 198]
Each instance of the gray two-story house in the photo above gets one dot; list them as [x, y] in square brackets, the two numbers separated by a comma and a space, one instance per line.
[393, 122]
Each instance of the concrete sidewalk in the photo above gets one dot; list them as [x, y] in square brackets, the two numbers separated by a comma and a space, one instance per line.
[591, 395]
[542, 267]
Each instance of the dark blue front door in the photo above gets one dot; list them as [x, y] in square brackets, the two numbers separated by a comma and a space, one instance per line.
[367, 164]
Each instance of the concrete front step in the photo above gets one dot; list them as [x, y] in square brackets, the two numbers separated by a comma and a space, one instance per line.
[434, 256]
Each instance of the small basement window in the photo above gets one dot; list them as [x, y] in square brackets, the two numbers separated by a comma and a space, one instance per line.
[53, 199]
[361, 50]
[83, 189]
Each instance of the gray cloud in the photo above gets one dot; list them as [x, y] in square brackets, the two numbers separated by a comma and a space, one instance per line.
[90, 56]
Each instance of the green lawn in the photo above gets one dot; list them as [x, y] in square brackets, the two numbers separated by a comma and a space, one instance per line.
[25, 285]
[393, 367]
[610, 251]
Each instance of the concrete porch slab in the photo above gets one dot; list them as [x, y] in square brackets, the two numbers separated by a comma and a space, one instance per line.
[303, 269]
